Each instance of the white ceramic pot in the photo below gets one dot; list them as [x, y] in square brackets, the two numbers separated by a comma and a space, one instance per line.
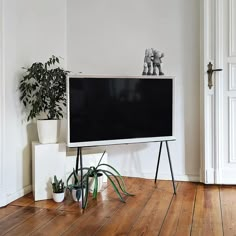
[58, 197]
[48, 130]
[100, 182]
[77, 194]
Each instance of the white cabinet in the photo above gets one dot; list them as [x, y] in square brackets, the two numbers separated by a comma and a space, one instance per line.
[48, 160]
[53, 159]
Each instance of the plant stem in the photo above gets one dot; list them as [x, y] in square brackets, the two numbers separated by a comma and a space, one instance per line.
[101, 158]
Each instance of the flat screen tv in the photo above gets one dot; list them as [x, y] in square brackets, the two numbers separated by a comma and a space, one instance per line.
[108, 110]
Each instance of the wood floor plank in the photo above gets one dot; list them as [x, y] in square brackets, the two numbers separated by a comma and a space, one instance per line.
[33, 223]
[166, 185]
[47, 204]
[58, 224]
[7, 210]
[197, 209]
[92, 220]
[207, 215]
[228, 205]
[123, 219]
[28, 200]
[23, 201]
[10, 222]
[178, 220]
[70, 205]
[152, 216]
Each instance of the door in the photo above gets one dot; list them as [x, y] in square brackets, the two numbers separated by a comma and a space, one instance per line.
[218, 117]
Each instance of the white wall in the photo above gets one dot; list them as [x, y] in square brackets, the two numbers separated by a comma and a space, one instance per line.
[105, 36]
[32, 31]
[110, 37]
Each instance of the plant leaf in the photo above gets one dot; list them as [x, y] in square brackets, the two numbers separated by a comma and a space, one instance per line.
[114, 187]
[117, 173]
[118, 179]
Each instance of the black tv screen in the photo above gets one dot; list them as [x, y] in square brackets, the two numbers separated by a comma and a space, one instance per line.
[106, 110]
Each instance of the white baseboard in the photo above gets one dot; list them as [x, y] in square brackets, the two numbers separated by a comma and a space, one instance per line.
[20, 193]
[190, 178]
[161, 176]
[3, 201]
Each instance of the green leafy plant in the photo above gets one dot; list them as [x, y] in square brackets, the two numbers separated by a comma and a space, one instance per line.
[58, 185]
[43, 89]
[112, 174]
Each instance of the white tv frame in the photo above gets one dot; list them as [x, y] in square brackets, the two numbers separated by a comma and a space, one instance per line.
[121, 141]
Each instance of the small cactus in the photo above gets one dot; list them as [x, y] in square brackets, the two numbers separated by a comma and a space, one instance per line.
[58, 185]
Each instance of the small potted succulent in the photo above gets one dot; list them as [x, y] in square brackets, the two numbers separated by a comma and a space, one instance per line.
[58, 190]
[43, 94]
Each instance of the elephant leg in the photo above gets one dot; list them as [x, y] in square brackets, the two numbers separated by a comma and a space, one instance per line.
[145, 69]
[154, 69]
[160, 70]
[149, 69]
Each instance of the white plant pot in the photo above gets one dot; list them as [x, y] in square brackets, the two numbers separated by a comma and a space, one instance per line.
[48, 130]
[58, 197]
[77, 194]
[100, 182]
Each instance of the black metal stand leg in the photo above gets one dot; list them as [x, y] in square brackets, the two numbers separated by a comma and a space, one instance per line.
[81, 176]
[79, 160]
[172, 175]
[158, 161]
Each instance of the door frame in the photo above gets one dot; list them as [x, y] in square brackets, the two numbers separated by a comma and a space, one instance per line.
[211, 117]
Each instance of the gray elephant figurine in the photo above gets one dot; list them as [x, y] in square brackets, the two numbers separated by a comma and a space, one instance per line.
[152, 62]
[147, 68]
[157, 55]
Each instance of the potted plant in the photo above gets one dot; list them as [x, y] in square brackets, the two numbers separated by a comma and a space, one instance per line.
[43, 94]
[112, 174]
[75, 186]
[58, 190]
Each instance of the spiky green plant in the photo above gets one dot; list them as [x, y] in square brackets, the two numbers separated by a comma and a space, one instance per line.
[58, 185]
[112, 174]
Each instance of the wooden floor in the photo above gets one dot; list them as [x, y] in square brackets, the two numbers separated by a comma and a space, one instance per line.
[197, 209]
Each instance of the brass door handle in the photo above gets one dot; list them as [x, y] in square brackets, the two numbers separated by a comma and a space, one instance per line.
[210, 72]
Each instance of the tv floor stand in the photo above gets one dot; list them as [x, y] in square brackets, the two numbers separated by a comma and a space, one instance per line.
[79, 166]
[158, 162]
